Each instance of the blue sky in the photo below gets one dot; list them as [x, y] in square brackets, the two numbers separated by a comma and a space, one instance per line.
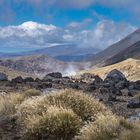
[61, 12]
[74, 16]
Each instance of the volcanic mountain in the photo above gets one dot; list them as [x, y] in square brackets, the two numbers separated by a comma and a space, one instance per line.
[126, 48]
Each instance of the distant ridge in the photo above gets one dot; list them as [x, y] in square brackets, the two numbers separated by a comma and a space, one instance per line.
[131, 40]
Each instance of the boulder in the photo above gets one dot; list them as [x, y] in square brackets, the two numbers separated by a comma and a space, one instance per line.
[97, 80]
[91, 78]
[116, 79]
[44, 85]
[18, 79]
[55, 75]
[3, 77]
[37, 80]
[134, 103]
[115, 76]
[29, 79]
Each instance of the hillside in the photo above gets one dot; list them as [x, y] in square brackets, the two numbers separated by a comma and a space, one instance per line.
[130, 68]
[14, 73]
[130, 52]
[40, 65]
[65, 52]
[117, 48]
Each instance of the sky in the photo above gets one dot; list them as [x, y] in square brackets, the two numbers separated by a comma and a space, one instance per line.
[32, 24]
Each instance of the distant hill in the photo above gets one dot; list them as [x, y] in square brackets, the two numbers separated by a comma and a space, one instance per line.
[39, 65]
[14, 73]
[66, 52]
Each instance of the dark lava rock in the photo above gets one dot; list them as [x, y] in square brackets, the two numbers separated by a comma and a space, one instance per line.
[137, 85]
[73, 85]
[112, 98]
[116, 79]
[87, 76]
[18, 79]
[37, 80]
[28, 79]
[3, 77]
[91, 87]
[97, 80]
[55, 75]
[115, 76]
[43, 85]
[134, 103]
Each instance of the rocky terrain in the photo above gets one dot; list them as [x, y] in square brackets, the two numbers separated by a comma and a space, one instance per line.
[115, 90]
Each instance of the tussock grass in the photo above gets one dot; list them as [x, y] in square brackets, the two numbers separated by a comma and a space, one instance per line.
[31, 92]
[65, 115]
[55, 124]
[83, 105]
[8, 103]
[131, 134]
[109, 127]
[32, 106]
[104, 128]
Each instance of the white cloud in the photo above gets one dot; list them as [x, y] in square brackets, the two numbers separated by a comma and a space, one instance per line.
[35, 35]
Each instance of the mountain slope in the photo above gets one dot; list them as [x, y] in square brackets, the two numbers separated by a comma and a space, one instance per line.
[130, 52]
[66, 52]
[100, 58]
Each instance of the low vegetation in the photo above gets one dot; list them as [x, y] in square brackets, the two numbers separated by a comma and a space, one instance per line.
[9, 102]
[31, 92]
[56, 123]
[66, 115]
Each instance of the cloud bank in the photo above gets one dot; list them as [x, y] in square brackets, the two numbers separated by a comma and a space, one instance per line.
[34, 35]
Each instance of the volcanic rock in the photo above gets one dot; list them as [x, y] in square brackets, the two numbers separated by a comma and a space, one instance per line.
[134, 103]
[116, 79]
[3, 77]
[28, 79]
[18, 79]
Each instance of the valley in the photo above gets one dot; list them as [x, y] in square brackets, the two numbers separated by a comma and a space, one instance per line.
[69, 70]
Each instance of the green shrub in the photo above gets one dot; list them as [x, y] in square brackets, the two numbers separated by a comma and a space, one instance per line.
[55, 124]
[83, 105]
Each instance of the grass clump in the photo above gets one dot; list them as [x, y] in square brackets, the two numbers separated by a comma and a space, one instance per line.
[104, 128]
[31, 92]
[109, 127]
[54, 124]
[83, 105]
[131, 134]
[9, 102]
[32, 106]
